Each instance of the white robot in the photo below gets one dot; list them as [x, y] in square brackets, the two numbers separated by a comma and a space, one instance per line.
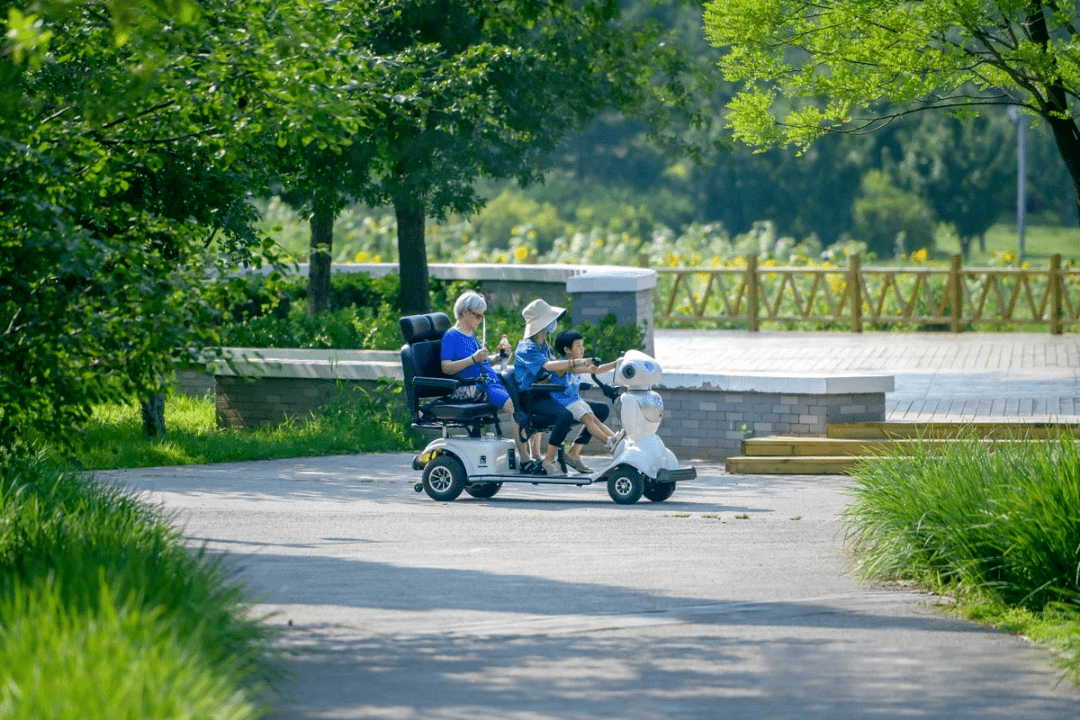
[642, 463]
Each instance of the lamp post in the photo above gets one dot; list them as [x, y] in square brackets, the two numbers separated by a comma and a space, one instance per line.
[1021, 176]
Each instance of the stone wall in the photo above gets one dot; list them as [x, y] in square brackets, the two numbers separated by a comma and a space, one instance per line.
[194, 381]
[706, 416]
[269, 401]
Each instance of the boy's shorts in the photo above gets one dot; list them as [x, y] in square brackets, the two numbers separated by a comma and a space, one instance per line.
[579, 409]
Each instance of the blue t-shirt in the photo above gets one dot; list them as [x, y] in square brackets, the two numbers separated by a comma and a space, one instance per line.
[529, 359]
[572, 383]
[456, 345]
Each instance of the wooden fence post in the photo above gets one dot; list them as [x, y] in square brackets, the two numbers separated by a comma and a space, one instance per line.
[956, 293]
[752, 293]
[855, 291]
[1056, 326]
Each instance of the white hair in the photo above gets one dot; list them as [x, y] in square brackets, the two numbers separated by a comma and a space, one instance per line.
[469, 300]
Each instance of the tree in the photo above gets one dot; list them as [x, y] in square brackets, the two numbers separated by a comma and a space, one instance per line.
[965, 170]
[490, 94]
[129, 144]
[811, 67]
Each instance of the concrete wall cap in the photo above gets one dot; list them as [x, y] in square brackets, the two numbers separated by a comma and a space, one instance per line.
[553, 273]
[612, 279]
[362, 365]
[309, 369]
[806, 384]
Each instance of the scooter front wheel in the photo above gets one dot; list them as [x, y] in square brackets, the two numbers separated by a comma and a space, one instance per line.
[444, 478]
[625, 486]
[483, 490]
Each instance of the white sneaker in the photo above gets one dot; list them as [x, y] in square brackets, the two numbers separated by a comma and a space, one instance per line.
[612, 442]
[553, 468]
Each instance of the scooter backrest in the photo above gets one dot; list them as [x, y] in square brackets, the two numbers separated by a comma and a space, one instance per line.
[424, 328]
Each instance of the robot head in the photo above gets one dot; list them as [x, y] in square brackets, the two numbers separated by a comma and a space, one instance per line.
[637, 371]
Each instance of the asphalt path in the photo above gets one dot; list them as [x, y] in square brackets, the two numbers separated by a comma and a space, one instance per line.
[733, 599]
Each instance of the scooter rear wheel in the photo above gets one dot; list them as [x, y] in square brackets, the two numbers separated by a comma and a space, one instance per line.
[625, 486]
[658, 491]
[444, 478]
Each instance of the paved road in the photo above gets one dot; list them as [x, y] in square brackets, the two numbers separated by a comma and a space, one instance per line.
[939, 376]
[732, 600]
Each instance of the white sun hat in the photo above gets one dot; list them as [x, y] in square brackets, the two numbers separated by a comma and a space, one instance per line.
[538, 315]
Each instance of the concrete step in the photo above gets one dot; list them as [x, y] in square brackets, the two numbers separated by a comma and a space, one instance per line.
[793, 465]
[779, 446]
[848, 444]
[896, 430]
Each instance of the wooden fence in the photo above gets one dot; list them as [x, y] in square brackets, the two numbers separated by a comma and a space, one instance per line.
[954, 298]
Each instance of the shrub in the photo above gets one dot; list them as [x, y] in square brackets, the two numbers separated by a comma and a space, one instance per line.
[889, 219]
[999, 522]
[102, 603]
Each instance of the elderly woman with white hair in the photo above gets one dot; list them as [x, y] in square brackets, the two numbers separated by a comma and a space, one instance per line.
[464, 357]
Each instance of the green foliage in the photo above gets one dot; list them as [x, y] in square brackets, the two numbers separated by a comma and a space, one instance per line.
[1001, 521]
[890, 220]
[270, 312]
[996, 527]
[610, 339]
[807, 68]
[92, 580]
[120, 660]
[355, 421]
[127, 158]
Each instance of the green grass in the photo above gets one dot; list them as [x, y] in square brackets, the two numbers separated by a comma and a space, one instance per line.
[104, 613]
[1040, 242]
[114, 438]
[999, 529]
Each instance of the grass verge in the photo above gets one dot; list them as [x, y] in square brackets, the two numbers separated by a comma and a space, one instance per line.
[105, 614]
[362, 422]
[998, 528]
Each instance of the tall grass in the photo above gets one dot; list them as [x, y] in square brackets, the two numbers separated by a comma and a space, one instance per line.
[105, 613]
[356, 422]
[993, 525]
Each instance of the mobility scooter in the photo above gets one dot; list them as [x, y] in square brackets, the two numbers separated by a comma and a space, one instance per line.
[478, 463]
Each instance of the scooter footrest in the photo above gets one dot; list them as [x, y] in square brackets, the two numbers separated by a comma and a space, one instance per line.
[670, 476]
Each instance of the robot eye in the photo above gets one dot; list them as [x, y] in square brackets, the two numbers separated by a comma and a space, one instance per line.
[628, 371]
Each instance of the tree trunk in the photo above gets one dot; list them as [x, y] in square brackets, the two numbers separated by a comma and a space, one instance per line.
[965, 245]
[153, 415]
[1066, 134]
[322, 242]
[412, 257]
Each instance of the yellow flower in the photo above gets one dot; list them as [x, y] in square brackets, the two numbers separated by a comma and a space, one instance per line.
[377, 259]
[362, 257]
[919, 256]
[521, 252]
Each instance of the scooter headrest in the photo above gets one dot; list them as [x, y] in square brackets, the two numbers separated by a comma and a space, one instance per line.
[422, 328]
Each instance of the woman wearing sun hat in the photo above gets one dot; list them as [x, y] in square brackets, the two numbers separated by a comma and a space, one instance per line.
[534, 360]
